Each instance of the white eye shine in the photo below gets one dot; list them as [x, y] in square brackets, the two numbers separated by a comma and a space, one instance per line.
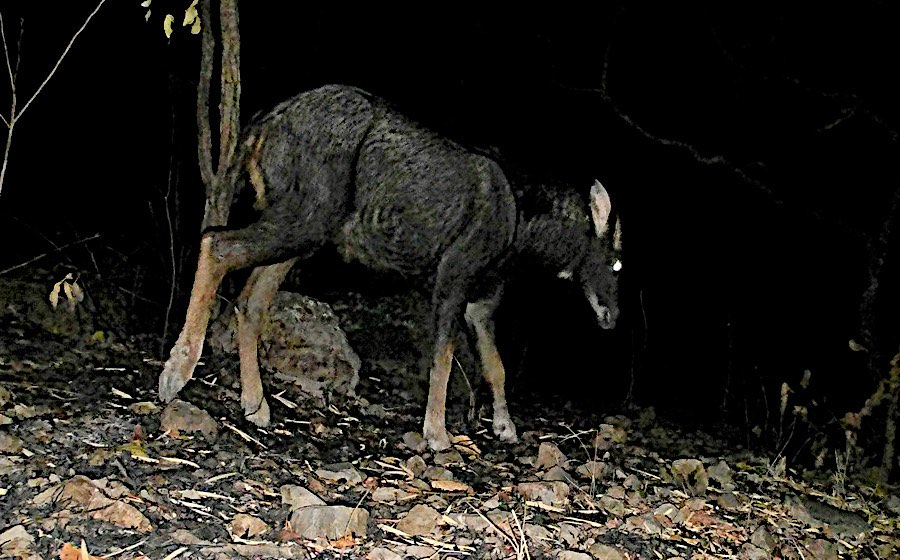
[617, 266]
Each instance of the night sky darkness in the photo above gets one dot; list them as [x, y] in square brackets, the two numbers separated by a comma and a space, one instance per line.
[726, 280]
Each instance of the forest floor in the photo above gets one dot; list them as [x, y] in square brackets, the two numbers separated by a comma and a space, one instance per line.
[91, 466]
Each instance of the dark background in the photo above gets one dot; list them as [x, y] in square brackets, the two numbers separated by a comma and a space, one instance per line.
[740, 272]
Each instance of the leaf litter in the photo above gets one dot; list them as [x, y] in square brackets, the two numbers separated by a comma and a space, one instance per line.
[92, 467]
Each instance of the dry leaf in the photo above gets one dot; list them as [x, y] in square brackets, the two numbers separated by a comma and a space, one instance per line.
[450, 486]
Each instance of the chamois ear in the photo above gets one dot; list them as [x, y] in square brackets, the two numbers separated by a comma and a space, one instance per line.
[617, 234]
[601, 207]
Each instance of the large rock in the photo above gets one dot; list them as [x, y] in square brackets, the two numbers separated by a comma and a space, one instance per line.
[302, 342]
[329, 522]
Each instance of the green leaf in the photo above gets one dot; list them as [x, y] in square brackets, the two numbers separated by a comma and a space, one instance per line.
[147, 16]
[196, 27]
[145, 4]
[189, 16]
[167, 25]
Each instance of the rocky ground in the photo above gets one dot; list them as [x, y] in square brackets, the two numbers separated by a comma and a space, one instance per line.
[91, 465]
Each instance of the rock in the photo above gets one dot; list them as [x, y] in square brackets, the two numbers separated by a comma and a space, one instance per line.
[244, 525]
[416, 464]
[329, 522]
[570, 534]
[557, 473]
[387, 494]
[10, 444]
[820, 549]
[420, 520]
[552, 493]
[573, 555]
[608, 436]
[5, 397]
[15, 542]
[381, 553]
[438, 473]
[844, 523]
[691, 475]
[667, 514]
[721, 473]
[340, 472]
[448, 457]
[593, 470]
[414, 441]
[419, 551]
[548, 456]
[762, 539]
[297, 497]
[750, 552]
[302, 341]
[612, 506]
[632, 482]
[605, 552]
[537, 533]
[728, 501]
[186, 538]
[181, 416]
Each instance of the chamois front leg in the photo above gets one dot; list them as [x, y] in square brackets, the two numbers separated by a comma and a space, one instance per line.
[251, 310]
[478, 316]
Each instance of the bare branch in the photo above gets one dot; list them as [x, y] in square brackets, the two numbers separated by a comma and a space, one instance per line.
[59, 61]
[204, 135]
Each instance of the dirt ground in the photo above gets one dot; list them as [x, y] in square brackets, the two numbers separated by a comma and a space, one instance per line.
[92, 465]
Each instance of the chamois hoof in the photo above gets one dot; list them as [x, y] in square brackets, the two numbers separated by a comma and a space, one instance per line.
[505, 430]
[438, 440]
[171, 382]
[260, 415]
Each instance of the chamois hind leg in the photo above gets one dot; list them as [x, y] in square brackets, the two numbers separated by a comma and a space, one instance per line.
[251, 310]
[479, 317]
[221, 252]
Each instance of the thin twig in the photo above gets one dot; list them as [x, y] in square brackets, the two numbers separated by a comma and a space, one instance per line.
[39, 257]
[59, 61]
[12, 80]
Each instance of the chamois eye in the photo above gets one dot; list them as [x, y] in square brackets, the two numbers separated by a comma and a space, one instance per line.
[617, 266]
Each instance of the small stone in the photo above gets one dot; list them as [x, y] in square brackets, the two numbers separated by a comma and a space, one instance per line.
[593, 470]
[10, 444]
[537, 533]
[552, 493]
[750, 552]
[448, 457]
[691, 475]
[419, 551]
[387, 494]
[414, 441]
[728, 501]
[420, 520]
[16, 542]
[340, 472]
[557, 473]
[573, 555]
[632, 482]
[721, 473]
[438, 473]
[181, 416]
[548, 456]
[381, 553]
[605, 552]
[297, 497]
[762, 539]
[186, 538]
[416, 464]
[612, 506]
[244, 525]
